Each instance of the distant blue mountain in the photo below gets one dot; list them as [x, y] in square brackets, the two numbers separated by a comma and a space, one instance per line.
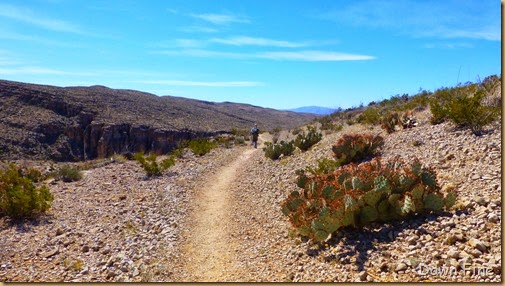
[314, 109]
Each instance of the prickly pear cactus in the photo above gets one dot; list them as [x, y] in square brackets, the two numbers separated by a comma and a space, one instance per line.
[356, 195]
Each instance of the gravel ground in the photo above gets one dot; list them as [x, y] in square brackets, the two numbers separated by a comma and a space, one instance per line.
[115, 225]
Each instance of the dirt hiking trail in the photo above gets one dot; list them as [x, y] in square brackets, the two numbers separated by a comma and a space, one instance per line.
[209, 253]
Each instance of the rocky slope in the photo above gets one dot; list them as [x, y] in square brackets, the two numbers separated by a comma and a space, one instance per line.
[116, 226]
[80, 123]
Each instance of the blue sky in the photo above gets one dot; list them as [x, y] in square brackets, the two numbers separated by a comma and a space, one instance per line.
[279, 54]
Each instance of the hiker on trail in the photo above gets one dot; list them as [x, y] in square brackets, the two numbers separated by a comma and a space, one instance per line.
[255, 132]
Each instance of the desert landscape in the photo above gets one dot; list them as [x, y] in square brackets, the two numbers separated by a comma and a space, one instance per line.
[217, 216]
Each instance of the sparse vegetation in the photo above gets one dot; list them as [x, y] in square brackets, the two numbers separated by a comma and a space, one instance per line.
[305, 141]
[20, 197]
[370, 116]
[324, 166]
[274, 151]
[356, 147]
[68, 174]
[356, 195]
[151, 166]
[201, 146]
[464, 106]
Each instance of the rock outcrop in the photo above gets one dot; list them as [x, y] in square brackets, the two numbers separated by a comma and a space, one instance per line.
[80, 123]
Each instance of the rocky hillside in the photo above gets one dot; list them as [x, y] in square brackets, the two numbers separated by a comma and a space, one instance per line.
[114, 225]
[78, 123]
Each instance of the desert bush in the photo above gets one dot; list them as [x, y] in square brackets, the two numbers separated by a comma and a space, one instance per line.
[356, 147]
[464, 107]
[370, 116]
[390, 121]
[119, 158]
[33, 174]
[68, 174]
[324, 166]
[240, 141]
[201, 146]
[296, 131]
[151, 166]
[357, 195]
[274, 151]
[19, 197]
[305, 141]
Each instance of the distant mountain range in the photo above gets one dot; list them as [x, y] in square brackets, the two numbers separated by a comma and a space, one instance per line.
[80, 123]
[315, 110]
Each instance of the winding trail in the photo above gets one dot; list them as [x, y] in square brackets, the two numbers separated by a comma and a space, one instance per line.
[210, 251]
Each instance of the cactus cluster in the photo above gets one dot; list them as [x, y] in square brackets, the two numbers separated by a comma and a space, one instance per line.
[356, 147]
[390, 121]
[274, 150]
[356, 195]
[305, 141]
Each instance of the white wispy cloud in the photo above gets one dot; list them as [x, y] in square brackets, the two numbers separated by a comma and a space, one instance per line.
[30, 70]
[28, 16]
[220, 19]
[306, 55]
[313, 56]
[448, 45]
[198, 29]
[254, 41]
[440, 19]
[203, 83]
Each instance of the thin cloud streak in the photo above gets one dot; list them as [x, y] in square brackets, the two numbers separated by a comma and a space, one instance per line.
[308, 55]
[203, 83]
[27, 16]
[253, 41]
[220, 19]
[313, 56]
[423, 18]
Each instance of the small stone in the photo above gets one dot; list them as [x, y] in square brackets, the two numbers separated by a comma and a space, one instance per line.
[401, 267]
[492, 217]
[106, 251]
[122, 197]
[110, 274]
[67, 242]
[59, 231]
[475, 243]
[475, 253]
[453, 254]
[413, 240]
[480, 201]
[384, 267]
[50, 253]
[457, 236]
[136, 272]
[85, 248]
[362, 275]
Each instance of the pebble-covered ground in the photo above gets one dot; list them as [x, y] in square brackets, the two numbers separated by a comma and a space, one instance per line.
[114, 225]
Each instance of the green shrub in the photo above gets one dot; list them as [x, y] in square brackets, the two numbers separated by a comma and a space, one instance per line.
[68, 174]
[357, 195]
[274, 151]
[324, 166]
[390, 121]
[151, 166]
[305, 141]
[19, 197]
[464, 107]
[370, 116]
[356, 147]
[201, 146]
[240, 141]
